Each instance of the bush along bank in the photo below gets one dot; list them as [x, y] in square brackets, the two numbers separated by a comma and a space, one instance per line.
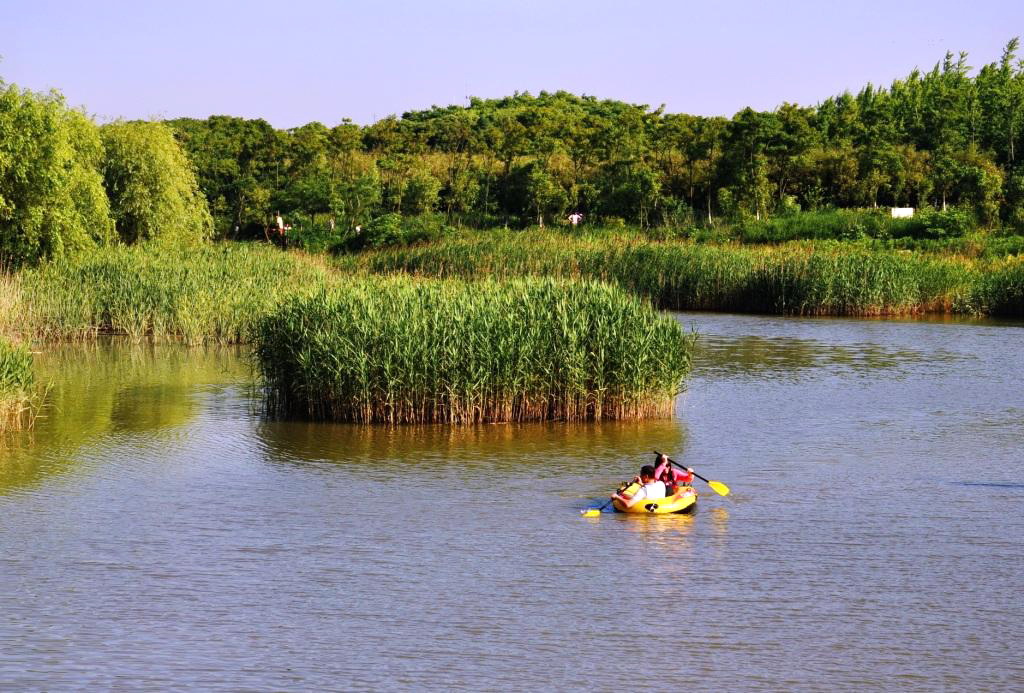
[401, 350]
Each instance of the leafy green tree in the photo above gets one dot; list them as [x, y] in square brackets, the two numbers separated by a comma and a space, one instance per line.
[750, 136]
[51, 192]
[1014, 188]
[981, 185]
[420, 194]
[545, 196]
[152, 186]
[355, 198]
[238, 165]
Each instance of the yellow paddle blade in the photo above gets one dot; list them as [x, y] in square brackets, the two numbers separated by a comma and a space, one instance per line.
[591, 512]
[719, 488]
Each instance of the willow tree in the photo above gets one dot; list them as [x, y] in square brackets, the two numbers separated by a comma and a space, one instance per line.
[51, 193]
[152, 186]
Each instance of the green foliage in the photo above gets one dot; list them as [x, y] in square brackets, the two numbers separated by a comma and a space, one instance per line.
[421, 194]
[399, 350]
[824, 278]
[19, 396]
[852, 224]
[205, 294]
[237, 165]
[152, 187]
[1001, 292]
[391, 230]
[940, 139]
[52, 201]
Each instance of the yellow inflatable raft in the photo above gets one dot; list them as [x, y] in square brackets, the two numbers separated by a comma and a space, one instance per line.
[684, 501]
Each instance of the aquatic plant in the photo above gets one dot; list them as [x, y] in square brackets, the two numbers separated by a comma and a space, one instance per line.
[210, 293]
[19, 396]
[1001, 291]
[402, 350]
[822, 278]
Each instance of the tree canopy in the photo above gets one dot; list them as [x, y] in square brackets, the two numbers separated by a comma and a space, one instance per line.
[935, 138]
[52, 200]
[151, 185]
[949, 136]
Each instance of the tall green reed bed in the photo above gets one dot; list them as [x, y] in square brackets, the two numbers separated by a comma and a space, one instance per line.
[19, 396]
[1000, 292]
[209, 293]
[823, 278]
[402, 350]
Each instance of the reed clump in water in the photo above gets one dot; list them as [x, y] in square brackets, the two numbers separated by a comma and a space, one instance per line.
[822, 278]
[400, 350]
[208, 293]
[19, 396]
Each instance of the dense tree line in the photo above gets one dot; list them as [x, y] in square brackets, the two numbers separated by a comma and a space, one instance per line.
[938, 138]
[935, 138]
[67, 184]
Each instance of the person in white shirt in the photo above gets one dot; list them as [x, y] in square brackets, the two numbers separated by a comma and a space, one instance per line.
[650, 489]
[575, 218]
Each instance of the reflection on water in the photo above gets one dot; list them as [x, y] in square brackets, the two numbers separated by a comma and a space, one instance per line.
[110, 387]
[791, 357]
[157, 534]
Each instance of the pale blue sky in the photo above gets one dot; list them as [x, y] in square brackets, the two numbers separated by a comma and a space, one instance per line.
[296, 61]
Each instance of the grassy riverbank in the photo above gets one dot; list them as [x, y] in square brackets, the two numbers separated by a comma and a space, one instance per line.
[808, 278]
[208, 293]
[19, 396]
[401, 350]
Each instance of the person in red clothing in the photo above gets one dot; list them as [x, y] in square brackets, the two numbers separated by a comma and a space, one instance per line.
[673, 476]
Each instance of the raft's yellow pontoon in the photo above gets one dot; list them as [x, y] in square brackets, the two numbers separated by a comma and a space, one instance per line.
[684, 501]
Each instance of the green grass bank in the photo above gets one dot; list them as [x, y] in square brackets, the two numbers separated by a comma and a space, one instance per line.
[802, 278]
[402, 350]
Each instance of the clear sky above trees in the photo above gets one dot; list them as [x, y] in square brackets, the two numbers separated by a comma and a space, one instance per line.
[307, 60]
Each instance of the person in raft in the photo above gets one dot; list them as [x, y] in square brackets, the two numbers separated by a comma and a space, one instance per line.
[651, 488]
[673, 477]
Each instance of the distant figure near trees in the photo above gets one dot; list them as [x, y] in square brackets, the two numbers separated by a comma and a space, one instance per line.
[276, 231]
[575, 218]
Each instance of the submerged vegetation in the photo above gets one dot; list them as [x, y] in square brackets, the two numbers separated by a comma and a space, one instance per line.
[19, 394]
[401, 350]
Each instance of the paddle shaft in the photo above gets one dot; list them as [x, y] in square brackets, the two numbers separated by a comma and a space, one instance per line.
[607, 502]
[672, 461]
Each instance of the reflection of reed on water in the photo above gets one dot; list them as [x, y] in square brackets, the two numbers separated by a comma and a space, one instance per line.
[605, 452]
[111, 386]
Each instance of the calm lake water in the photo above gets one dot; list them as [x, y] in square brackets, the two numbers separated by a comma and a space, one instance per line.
[157, 534]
